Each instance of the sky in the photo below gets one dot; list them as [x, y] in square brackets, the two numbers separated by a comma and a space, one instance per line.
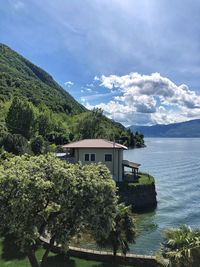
[138, 60]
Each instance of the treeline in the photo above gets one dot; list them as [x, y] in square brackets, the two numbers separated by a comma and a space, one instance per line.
[26, 128]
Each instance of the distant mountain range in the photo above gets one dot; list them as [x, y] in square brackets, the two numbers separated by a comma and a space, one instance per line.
[183, 129]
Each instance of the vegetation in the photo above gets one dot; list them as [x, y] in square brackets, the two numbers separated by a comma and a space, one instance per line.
[10, 256]
[44, 196]
[20, 118]
[182, 246]
[33, 104]
[37, 145]
[122, 232]
[143, 179]
[19, 77]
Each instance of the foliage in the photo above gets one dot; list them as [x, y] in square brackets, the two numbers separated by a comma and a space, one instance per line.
[42, 107]
[54, 260]
[122, 233]
[15, 143]
[37, 145]
[44, 121]
[44, 196]
[20, 118]
[91, 125]
[182, 246]
[138, 139]
[143, 179]
[19, 77]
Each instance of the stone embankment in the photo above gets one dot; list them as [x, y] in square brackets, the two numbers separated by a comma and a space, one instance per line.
[141, 197]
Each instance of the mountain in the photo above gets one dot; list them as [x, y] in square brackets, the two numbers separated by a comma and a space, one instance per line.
[20, 77]
[183, 129]
[63, 119]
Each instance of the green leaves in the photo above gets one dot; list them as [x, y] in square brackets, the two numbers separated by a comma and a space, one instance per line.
[182, 246]
[21, 118]
[43, 194]
[122, 232]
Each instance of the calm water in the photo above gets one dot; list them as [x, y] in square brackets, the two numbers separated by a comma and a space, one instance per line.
[175, 164]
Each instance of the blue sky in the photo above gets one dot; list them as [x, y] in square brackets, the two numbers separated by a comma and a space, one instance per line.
[139, 60]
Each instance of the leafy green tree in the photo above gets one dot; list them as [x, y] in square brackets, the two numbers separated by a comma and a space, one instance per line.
[122, 233]
[15, 143]
[182, 246]
[139, 139]
[91, 125]
[45, 197]
[58, 138]
[37, 145]
[21, 118]
[44, 121]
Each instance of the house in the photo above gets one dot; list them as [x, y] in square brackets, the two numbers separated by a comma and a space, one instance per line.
[100, 150]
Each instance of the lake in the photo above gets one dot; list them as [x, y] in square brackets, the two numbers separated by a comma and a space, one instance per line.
[175, 164]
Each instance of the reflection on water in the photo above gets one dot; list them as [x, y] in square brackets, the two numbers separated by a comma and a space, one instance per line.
[175, 164]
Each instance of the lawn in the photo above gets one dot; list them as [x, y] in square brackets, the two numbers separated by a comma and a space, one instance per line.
[10, 257]
[143, 179]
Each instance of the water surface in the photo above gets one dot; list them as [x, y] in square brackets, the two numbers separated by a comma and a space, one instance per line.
[175, 164]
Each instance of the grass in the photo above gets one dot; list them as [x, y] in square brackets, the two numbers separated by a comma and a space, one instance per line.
[11, 257]
[143, 179]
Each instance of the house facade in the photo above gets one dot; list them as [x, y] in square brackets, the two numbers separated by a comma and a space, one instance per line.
[90, 151]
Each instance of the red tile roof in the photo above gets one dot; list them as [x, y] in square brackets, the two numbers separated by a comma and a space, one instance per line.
[94, 143]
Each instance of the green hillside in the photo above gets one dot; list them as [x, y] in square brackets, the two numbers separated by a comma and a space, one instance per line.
[19, 77]
[37, 115]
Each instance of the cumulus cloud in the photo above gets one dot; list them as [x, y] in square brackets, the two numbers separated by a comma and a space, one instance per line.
[152, 85]
[153, 98]
[68, 83]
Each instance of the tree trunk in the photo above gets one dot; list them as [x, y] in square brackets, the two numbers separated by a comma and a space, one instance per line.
[45, 256]
[114, 251]
[32, 259]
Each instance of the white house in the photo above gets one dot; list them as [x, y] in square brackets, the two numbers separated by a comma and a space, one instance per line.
[99, 150]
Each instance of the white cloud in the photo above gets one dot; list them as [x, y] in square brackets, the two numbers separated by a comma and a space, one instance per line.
[149, 98]
[68, 83]
[152, 85]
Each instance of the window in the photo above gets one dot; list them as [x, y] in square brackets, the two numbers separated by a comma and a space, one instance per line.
[87, 157]
[108, 157]
[92, 157]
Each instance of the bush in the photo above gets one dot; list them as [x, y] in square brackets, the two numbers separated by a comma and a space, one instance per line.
[37, 145]
[16, 144]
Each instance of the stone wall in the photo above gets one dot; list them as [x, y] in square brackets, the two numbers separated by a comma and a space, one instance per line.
[103, 256]
[141, 197]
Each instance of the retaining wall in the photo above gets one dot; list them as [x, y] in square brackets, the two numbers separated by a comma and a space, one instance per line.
[104, 256]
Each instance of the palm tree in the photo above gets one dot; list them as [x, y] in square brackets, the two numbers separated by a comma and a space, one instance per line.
[123, 232]
[182, 246]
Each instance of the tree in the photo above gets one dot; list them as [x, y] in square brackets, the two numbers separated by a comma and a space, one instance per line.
[91, 124]
[182, 246]
[37, 145]
[44, 196]
[44, 121]
[21, 118]
[15, 143]
[122, 233]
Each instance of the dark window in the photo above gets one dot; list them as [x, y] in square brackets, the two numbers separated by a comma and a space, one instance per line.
[86, 157]
[92, 157]
[108, 157]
